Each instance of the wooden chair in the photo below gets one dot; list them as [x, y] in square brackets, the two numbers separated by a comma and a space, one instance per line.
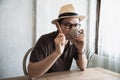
[26, 61]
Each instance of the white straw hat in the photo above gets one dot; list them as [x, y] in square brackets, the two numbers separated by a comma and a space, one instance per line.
[67, 11]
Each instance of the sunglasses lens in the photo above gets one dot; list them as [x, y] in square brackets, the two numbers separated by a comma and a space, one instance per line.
[69, 25]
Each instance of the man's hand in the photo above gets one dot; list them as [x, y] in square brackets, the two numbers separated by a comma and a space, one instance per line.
[79, 41]
[60, 42]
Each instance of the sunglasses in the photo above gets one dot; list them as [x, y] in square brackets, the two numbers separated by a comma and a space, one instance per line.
[68, 25]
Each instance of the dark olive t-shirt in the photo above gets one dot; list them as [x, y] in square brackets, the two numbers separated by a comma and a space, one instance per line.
[46, 46]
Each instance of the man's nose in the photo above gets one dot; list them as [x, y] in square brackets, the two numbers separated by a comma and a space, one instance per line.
[72, 27]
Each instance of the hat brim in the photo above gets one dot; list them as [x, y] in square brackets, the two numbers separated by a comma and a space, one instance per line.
[80, 17]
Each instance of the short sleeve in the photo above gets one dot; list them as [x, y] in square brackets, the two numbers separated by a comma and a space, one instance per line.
[44, 47]
[38, 52]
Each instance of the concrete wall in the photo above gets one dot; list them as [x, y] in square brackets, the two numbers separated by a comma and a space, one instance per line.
[16, 35]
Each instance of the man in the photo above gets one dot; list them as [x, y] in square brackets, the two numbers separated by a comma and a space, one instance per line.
[55, 51]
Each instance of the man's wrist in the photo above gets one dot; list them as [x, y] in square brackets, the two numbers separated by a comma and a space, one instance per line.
[81, 52]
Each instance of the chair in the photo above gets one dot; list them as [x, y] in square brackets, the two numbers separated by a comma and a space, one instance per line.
[104, 62]
[25, 61]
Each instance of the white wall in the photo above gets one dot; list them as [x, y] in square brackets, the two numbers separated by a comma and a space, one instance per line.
[16, 30]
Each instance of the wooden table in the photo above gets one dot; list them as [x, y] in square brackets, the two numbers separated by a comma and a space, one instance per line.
[88, 74]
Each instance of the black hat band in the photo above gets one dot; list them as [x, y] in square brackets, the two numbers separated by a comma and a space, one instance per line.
[68, 14]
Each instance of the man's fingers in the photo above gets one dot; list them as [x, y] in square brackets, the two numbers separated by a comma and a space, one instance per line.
[59, 28]
[81, 31]
[66, 42]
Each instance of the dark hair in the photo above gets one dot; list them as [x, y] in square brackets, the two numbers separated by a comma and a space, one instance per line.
[60, 20]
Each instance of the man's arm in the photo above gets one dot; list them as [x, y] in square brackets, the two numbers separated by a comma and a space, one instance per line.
[37, 69]
[82, 61]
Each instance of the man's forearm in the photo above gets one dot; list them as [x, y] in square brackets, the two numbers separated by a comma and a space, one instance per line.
[82, 61]
[39, 68]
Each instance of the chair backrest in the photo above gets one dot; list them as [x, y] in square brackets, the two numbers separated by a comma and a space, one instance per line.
[104, 62]
[25, 61]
